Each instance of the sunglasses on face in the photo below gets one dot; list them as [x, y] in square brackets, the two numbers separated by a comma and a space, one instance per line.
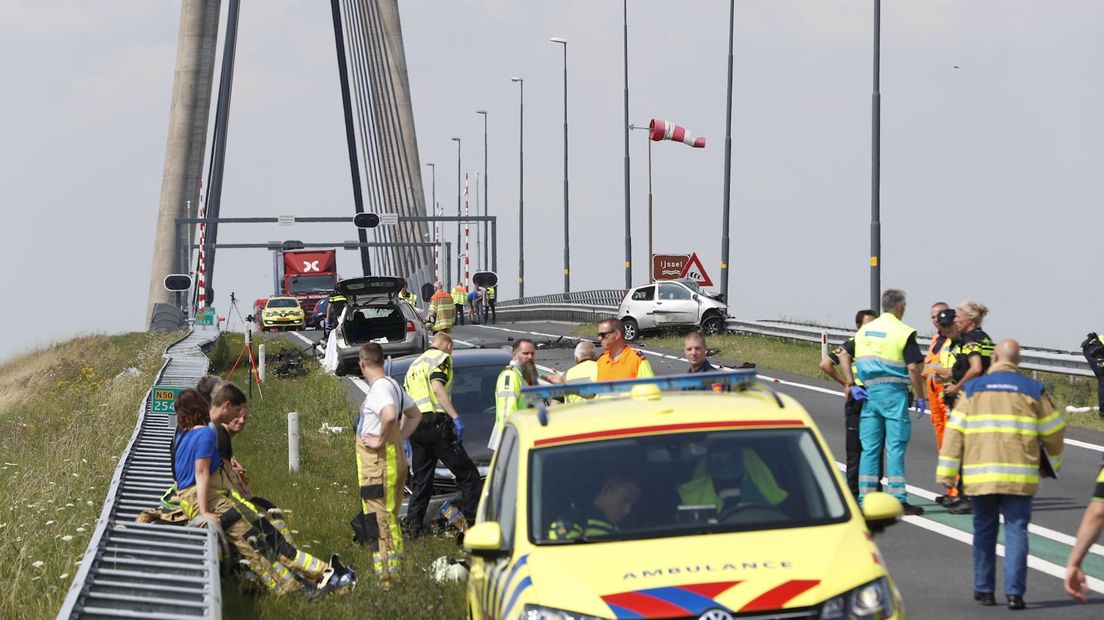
[602, 335]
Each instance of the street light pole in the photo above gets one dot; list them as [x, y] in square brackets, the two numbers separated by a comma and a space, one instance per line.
[436, 225]
[486, 177]
[567, 227]
[651, 275]
[727, 158]
[459, 193]
[628, 213]
[521, 185]
[876, 168]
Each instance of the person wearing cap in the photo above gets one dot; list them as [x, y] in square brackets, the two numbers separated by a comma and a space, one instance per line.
[888, 361]
[840, 366]
[942, 317]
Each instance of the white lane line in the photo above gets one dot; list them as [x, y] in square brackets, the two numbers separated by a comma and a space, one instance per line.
[303, 338]
[1069, 442]
[1039, 564]
[360, 383]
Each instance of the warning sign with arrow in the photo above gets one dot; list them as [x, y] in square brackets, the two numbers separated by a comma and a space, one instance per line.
[695, 271]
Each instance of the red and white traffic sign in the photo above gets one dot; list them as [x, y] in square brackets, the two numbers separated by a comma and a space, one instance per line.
[695, 271]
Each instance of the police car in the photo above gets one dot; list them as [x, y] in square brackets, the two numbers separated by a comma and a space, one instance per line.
[655, 501]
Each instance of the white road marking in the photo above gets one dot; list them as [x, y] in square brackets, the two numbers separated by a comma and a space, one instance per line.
[303, 338]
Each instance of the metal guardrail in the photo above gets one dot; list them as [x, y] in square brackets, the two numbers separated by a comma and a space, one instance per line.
[136, 570]
[592, 306]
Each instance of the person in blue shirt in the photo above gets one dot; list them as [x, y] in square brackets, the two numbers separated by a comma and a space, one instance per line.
[207, 495]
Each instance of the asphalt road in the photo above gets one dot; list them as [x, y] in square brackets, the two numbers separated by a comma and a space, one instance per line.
[929, 556]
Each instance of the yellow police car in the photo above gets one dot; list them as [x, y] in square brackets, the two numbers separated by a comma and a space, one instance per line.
[662, 501]
[282, 312]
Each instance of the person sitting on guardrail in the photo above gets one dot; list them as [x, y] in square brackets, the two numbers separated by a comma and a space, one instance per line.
[207, 496]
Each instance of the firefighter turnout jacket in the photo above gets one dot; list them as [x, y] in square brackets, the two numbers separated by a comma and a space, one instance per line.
[443, 311]
[997, 434]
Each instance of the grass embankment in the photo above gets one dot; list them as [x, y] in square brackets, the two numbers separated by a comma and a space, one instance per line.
[66, 413]
[803, 358]
[322, 498]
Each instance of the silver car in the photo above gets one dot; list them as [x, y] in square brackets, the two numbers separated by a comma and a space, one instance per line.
[374, 313]
[671, 304]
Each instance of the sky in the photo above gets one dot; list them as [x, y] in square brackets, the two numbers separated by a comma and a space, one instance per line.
[992, 149]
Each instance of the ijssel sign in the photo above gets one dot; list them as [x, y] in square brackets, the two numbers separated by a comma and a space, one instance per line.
[677, 266]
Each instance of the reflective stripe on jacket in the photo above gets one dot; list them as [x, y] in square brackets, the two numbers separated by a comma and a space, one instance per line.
[999, 426]
[880, 351]
[508, 398]
[442, 310]
[418, 379]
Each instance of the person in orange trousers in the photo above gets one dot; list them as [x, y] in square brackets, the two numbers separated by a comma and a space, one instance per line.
[933, 360]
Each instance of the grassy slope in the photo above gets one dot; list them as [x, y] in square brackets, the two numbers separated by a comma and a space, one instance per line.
[802, 358]
[322, 498]
[64, 419]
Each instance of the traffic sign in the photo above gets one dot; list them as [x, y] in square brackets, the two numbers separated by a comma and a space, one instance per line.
[206, 317]
[668, 266]
[285, 220]
[389, 219]
[164, 399]
[695, 271]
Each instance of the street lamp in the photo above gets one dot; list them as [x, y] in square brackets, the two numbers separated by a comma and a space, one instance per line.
[876, 167]
[521, 185]
[628, 216]
[459, 193]
[727, 158]
[647, 137]
[567, 240]
[486, 183]
[436, 225]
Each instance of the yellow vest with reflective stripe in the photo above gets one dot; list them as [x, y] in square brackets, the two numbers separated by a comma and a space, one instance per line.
[459, 296]
[491, 291]
[880, 351]
[508, 398]
[418, 380]
[409, 297]
[585, 371]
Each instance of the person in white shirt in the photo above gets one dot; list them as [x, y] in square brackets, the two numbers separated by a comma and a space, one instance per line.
[387, 417]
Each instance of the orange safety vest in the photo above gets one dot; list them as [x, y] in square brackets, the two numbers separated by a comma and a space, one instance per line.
[933, 361]
[630, 364]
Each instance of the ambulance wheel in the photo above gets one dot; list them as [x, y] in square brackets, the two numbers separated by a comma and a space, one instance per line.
[632, 330]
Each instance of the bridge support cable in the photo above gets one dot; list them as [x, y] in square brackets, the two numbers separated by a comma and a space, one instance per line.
[395, 89]
[385, 143]
[350, 136]
[377, 64]
[354, 45]
[386, 146]
[218, 141]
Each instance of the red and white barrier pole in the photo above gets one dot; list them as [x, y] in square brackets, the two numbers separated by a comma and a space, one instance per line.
[467, 233]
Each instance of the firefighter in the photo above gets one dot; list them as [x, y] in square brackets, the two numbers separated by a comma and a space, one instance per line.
[459, 300]
[521, 372]
[888, 360]
[440, 433]
[1004, 434]
[408, 296]
[206, 495]
[489, 295]
[840, 365]
[585, 369]
[387, 418]
[442, 312]
[619, 360]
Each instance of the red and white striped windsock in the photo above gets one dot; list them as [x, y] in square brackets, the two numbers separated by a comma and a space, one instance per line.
[665, 130]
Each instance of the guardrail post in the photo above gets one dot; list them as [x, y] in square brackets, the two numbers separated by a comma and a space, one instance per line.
[823, 345]
[260, 363]
[293, 441]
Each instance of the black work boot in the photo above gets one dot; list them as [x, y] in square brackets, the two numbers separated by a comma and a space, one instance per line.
[985, 598]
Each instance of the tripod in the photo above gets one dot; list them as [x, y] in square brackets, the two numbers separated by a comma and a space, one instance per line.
[247, 348]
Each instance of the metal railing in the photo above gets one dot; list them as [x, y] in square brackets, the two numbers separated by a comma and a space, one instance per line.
[138, 570]
[593, 306]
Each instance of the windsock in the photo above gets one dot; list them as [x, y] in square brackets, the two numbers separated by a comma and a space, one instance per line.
[664, 130]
